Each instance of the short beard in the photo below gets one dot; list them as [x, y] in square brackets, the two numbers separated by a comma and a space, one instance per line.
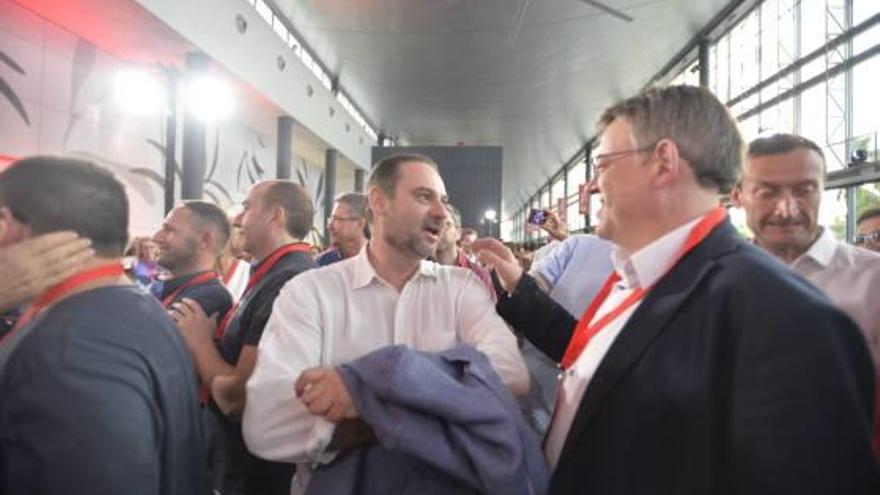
[412, 245]
[178, 260]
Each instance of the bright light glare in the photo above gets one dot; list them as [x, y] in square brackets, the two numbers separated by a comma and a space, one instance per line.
[490, 215]
[209, 99]
[138, 93]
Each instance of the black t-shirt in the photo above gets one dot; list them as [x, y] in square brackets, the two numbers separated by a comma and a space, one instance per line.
[237, 471]
[98, 395]
[211, 295]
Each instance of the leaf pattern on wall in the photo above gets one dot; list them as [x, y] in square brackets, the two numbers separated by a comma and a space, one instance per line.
[138, 177]
[7, 91]
[83, 64]
[161, 147]
[302, 176]
[249, 164]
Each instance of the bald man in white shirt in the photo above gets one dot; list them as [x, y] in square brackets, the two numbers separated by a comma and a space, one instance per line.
[388, 294]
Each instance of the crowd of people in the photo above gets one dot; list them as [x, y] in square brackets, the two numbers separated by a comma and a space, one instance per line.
[664, 354]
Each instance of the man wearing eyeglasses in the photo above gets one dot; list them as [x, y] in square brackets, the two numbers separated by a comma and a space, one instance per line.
[347, 227]
[868, 227]
[781, 191]
[702, 366]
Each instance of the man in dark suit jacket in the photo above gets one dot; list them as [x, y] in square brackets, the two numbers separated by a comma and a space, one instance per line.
[711, 368]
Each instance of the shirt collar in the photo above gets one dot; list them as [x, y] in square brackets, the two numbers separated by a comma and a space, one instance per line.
[172, 284]
[647, 265]
[822, 249]
[365, 274]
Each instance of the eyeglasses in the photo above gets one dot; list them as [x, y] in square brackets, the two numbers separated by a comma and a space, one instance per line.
[870, 237]
[341, 219]
[599, 163]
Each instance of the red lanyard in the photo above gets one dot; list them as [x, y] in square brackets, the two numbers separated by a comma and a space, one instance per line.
[228, 276]
[584, 331]
[168, 301]
[262, 269]
[62, 289]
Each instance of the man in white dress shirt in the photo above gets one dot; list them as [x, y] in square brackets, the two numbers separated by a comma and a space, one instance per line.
[781, 190]
[387, 294]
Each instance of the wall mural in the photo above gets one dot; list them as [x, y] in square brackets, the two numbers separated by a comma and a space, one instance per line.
[57, 96]
[8, 92]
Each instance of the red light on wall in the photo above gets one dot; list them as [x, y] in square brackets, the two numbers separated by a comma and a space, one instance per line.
[5, 160]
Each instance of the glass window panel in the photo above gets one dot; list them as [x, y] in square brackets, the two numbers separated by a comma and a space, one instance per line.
[812, 25]
[722, 89]
[778, 118]
[863, 9]
[749, 128]
[814, 123]
[786, 33]
[832, 212]
[867, 39]
[866, 102]
[813, 68]
[576, 176]
[574, 219]
[545, 199]
[558, 190]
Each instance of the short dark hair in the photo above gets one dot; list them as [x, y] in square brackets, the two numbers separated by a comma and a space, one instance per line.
[55, 193]
[296, 203]
[783, 143]
[211, 216]
[868, 214]
[386, 171]
[700, 125]
[358, 204]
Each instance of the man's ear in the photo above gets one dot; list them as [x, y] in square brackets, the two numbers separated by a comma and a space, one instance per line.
[279, 217]
[207, 239]
[377, 200]
[736, 194]
[667, 163]
[11, 230]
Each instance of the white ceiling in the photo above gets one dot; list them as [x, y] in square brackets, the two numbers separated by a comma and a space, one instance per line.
[528, 75]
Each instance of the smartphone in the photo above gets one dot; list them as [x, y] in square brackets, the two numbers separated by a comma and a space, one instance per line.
[538, 217]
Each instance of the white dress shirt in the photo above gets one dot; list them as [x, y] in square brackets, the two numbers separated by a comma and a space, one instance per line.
[642, 269]
[343, 311]
[239, 279]
[850, 277]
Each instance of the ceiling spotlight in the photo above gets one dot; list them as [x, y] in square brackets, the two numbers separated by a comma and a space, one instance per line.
[138, 93]
[209, 98]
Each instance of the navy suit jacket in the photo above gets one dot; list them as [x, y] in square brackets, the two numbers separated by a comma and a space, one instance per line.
[733, 376]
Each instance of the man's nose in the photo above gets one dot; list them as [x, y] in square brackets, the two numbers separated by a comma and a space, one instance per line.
[786, 206]
[593, 185]
[439, 211]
